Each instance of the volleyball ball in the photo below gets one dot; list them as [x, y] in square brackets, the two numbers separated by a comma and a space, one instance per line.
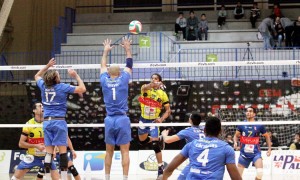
[135, 27]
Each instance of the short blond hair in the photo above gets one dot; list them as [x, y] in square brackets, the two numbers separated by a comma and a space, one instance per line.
[50, 78]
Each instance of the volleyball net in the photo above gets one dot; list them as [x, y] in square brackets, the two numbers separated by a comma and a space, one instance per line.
[225, 89]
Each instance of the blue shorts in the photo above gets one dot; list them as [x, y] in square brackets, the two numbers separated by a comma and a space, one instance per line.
[117, 130]
[153, 131]
[55, 133]
[183, 174]
[246, 161]
[38, 161]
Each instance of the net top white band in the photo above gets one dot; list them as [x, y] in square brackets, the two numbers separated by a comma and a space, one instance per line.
[159, 124]
[159, 65]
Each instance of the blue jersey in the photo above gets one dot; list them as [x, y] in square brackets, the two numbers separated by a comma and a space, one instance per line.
[208, 157]
[115, 93]
[191, 133]
[249, 139]
[54, 99]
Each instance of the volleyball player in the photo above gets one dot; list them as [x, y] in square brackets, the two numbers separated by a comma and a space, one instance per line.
[249, 140]
[189, 134]
[115, 93]
[208, 156]
[32, 139]
[153, 99]
[54, 98]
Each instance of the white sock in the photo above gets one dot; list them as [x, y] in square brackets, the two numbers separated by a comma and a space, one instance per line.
[160, 164]
[125, 177]
[14, 178]
[107, 176]
[64, 175]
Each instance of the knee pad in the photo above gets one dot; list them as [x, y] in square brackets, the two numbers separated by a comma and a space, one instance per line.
[63, 163]
[47, 162]
[14, 178]
[73, 170]
[259, 173]
[41, 173]
[146, 141]
[156, 147]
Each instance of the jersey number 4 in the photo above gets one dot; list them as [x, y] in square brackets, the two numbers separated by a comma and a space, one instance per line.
[50, 96]
[203, 157]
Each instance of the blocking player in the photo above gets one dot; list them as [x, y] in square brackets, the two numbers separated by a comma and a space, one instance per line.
[208, 156]
[153, 99]
[189, 134]
[32, 139]
[115, 92]
[249, 140]
[54, 99]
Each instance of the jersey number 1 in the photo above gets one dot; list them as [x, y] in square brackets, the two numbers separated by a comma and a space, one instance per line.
[114, 93]
[203, 157]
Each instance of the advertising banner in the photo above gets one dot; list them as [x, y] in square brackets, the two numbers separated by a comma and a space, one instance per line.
[92, 162]
[285, 162]
[4, 160]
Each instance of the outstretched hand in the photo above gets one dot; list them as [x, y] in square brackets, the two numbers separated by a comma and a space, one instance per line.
[165, 132]
[72, 73]
[107, 45]
[51, 62]
[126, 42]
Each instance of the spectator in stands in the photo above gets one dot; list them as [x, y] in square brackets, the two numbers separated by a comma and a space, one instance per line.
[274, 140]
[263, 28]
[203, 27]
[222, 16]
[296, 38]
[192, 26]
[180, 25]
[287, 24]
[295, 145]
[254, 14]
[276, 11]
[238, 11]
[279, 31]
[229, 139]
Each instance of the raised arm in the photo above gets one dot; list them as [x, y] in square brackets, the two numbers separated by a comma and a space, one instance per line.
[40, 73]
[81, 87]
[106, 50]
[154, 85]
[126, 44]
